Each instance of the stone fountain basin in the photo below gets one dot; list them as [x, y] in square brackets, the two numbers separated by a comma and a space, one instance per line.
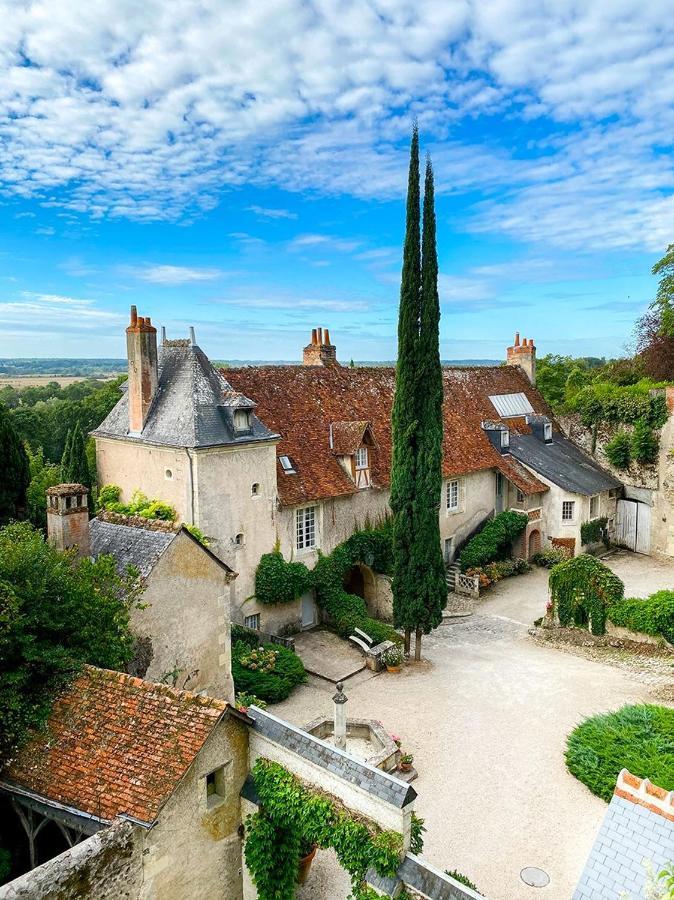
[366, 739]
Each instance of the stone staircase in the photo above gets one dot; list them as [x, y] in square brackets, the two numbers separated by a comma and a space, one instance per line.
[458, 605]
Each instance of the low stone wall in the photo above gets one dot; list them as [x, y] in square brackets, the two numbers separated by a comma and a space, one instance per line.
[626, 634]
[421, 876]
[106, 866]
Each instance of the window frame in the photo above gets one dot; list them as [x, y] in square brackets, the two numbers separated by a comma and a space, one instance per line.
[362, 452]
[218, 779]
[595, 499]
[307, 543]
[456, 507]
[290, 468]
[246, 414]
[247, 619]
[547, 431]
[572, 518]
[519, 495]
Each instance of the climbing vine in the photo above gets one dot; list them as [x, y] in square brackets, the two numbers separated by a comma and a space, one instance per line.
[292, 816]
[279, 581]
[582, 589]
[593, 531]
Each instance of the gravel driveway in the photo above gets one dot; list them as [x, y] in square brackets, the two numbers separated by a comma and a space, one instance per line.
[486, 715]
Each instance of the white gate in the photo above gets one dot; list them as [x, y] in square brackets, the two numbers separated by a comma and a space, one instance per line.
[633, 525]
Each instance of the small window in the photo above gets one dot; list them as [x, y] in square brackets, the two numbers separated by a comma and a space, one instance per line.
[547, 431]
[568, 510]
[216, 786]
[252, 622]
[505, 439]
[452, 496]
[361, 458]
[255, 489]
[594, 506]
[287, 465]
[520, 496]
[305, 528]
[239, 539]
[69, 501]
[241, 420]
[168, 475]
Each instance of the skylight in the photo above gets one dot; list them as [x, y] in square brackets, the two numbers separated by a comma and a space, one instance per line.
[287, 466]
[509, 405]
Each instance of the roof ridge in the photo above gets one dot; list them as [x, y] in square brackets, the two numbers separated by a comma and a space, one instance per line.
[644, 793]
[155, 687]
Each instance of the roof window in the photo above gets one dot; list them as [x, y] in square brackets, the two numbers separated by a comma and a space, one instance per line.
[510, 405]
[287, 466]
[241, 420]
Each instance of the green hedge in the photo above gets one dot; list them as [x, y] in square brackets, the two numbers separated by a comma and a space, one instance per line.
[619, 450]
[638, 738]
[278, 581]
[270, 686]
[654, 615]
[606, 401]
[494, 541]
[594, 531]
[582, 589]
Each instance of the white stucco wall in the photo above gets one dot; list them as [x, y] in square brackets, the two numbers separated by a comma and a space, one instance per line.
[477, 494]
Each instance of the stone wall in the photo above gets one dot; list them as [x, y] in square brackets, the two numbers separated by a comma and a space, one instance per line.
[106, 866]
[186, 616]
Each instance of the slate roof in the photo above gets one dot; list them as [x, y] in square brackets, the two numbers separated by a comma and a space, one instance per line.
[193, 407]
[300, 403]
[638, 828]
[563, 463]
[115, 745]
[130, 545]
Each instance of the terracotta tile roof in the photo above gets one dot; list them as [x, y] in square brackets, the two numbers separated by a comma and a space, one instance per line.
[521, 477]
[347, 437]
[300, 403]
[115, 745]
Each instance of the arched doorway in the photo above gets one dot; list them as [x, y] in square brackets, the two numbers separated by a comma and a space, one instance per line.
[534, 542]
[360, 580]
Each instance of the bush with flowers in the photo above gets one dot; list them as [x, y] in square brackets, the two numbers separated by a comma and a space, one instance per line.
[260, 660]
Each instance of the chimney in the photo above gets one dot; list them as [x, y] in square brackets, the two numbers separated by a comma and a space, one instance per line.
[524, 355]
[320, 352]
[68, 517]
[141, 350]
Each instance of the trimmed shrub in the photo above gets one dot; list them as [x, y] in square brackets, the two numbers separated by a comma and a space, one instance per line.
[619, 450]
[594, 531]
[550, 557]
[278, 581]
[654, 615]
[495, 540]
[272, 686]
[582, 589]
[496, 571]
[644, 443]
[638, 738]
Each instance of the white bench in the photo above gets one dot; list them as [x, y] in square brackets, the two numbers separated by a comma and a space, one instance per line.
[363, 646]
[365, 637]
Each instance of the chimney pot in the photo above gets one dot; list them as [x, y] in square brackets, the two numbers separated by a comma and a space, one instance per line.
[314, 337]
[141, 348]
[163, 334]
[193, 337]
[134, 316]
[326, 336]
[319, 332]
[517, 339]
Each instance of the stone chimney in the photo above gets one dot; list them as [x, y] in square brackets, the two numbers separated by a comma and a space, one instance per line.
[68, 517]
[320, 352]
[141, 350]
[523, 354]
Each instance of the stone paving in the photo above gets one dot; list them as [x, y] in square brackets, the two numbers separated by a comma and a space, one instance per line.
[486, 715]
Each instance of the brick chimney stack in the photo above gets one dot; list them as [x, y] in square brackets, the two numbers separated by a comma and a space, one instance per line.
[68, 517]
[523, 354]
[320, 352]
[141, 351]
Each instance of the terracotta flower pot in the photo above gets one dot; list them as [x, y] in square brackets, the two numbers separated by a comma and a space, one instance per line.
[405, 767]
[392, 668]
[305, 865]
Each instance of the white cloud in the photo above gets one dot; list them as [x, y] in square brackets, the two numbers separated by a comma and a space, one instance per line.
[152, 113]
[173, 275]
[52, 313]
[323, 242]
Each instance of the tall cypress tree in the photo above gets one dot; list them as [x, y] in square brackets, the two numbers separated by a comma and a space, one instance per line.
[431, 580]
[404, 422]
[419, 586]
[66, 458]
[14, 470]
[76, 470]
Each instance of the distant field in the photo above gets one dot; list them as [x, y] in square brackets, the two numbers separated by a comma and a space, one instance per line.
[25, 381]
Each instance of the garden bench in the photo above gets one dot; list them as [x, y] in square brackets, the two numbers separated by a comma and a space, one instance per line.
[364, 636]
[360, 643]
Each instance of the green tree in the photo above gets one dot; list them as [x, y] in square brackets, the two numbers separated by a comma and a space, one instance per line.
[663, 304]
[419, 587]
[42, 476]
[404, 418]
[14, 470]
[75, 465]
[56, 613]
[67, 457]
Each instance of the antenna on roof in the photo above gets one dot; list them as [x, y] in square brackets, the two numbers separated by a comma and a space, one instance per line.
[193, 339]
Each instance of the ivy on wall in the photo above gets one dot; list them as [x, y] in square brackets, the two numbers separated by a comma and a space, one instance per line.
[494, 541]
[615, 404]
[594, 531]
[280, 581]
[582, 590]
[292, 818]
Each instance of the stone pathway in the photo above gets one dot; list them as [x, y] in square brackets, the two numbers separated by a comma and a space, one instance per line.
[328, 656]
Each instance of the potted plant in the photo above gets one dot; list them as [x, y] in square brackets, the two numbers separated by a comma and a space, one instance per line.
[393, 658]
[406, 761]
[307, 853]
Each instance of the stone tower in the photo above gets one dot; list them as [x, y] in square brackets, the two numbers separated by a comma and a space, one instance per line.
[68, 517]
[141, 349]
[524, 355]
[320, 352]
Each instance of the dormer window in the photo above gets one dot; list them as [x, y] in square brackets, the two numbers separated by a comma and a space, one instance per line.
[505, 439]
[361, 458]
[241, 421]
[287, 466]
[547, 432]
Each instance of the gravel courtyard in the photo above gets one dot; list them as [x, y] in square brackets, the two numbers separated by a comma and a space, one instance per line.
[486, 715]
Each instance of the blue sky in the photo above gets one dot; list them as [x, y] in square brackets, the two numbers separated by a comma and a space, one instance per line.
[245, 172]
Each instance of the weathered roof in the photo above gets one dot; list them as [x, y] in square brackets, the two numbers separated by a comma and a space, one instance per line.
[66, 490]
[301, 402]
[130, 545]
[193, 406]
[638, 826]
[562, 463]
[115, 745]
[347, 437]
